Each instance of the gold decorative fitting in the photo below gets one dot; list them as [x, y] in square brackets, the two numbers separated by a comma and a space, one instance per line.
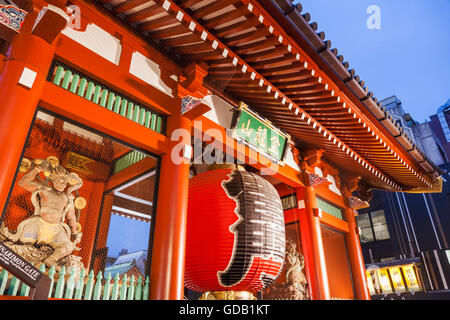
[25, 165]
[80, 203]
[53, 161]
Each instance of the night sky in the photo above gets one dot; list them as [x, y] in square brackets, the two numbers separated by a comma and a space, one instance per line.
[407, 57]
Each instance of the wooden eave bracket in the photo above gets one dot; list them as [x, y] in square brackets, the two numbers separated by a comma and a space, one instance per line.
[191, 88]
[312, 158]
[356, 203]
[52, 19]
[315, 180]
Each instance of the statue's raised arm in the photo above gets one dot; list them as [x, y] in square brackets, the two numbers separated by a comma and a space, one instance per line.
[30, 180]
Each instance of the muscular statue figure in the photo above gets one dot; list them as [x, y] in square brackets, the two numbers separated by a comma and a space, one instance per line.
[53, 206]
[295, 285]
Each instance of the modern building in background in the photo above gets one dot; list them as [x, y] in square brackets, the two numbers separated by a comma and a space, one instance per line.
[405, 237]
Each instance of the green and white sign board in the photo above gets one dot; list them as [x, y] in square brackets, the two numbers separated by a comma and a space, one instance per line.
[259, 134]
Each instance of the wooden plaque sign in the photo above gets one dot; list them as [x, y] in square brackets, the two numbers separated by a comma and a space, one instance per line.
[259, 134]
[25, 272]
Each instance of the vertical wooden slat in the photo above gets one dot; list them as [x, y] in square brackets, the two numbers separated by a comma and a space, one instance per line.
[13, 286]
[138, 295]
[115, 288]
[111, 99]
[66, 79]
[137, 111]
[130, 295]
[117, 104]
[25, 290]
[58, 75]
[148, 117]
[146, 288]
[80, 285]
[123, 288]
[89, 91]
[104, 98]
[107, 286]
[61, 283]
[158, 124]
[96, 96]
[89, 286]
[153, 122]
[123, 108]
[51, 275]
[70, 287]
[82, 87]
[130, 111]
[98, 286]
[142, 116]
[3, 281]
[74, 83]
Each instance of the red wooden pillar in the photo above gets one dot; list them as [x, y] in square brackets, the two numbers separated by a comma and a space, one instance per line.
[169, 240]
[89, 221]
[355, 253]
[311, 236]
[29, 57]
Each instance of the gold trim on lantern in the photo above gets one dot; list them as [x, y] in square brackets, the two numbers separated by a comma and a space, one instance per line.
[228, 295]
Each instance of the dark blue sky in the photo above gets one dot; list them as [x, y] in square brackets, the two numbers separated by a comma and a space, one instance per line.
[409, 56]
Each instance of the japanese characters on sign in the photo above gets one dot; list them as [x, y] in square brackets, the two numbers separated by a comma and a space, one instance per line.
[259, 134]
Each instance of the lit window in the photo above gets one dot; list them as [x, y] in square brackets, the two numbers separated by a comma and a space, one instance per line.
[373, 226]
[366, 234]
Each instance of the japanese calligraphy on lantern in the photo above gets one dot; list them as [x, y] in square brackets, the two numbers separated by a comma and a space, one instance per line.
[259, 134]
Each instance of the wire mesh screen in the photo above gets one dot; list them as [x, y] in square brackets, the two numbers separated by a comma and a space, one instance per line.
[81, 200]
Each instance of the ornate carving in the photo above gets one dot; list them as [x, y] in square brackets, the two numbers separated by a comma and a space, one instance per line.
[188, 103]
[315, 180]
[356, 203]
[295, 285]
[45, 236]
[12, 16]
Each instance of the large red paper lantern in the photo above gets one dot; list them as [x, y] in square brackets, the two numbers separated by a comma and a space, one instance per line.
[235, 232]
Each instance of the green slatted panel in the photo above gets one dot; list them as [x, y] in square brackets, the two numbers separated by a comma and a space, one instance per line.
[329, 208]
[101, 96]
[128, 160]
